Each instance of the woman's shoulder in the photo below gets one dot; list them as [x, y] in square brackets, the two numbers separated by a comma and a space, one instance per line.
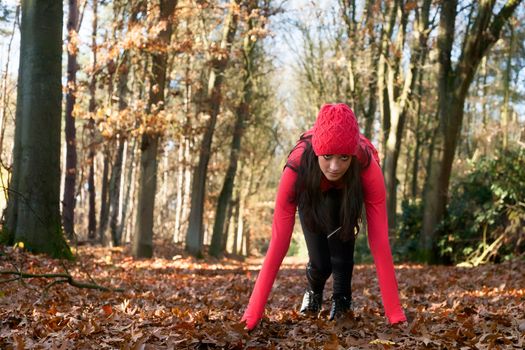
[367, 152]
[294, 157]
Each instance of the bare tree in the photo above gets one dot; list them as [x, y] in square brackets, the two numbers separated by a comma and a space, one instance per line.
[219, 62]
[68, 203]
[92, 218]
[453, 87]
[33, 211]
[143, 238]
[400, 95]
[242, 113]
[115, 183]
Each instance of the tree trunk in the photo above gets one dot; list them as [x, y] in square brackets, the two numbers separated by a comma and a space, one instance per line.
[114, 192]
[143, 239]
[353, 92]
[242, 114]
[92, 218]
[386, 34]
[240, 220]
[107, 155]
[179, 188]
[187, 143]
[195, 234]
[453, 88]
[372, 84]
[408, 150]
[233, 225]
[506, 91]
[397, 103]
[104, 205]
[5, 97]
[248, 240]
[116, 174]
[228, 224]
[129, 182]
[400, 99]
[227, 187]
[68, 203]
[357, 42]
[484, 92]
[186, 199]
[417, 137]
[33, 212]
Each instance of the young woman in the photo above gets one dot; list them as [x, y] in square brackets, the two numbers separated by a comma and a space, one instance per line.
[332, 171]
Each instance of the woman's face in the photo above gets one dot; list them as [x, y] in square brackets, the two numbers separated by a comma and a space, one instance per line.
[334, 166]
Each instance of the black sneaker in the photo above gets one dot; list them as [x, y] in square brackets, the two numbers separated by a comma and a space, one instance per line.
[312, 302]
[340, 306]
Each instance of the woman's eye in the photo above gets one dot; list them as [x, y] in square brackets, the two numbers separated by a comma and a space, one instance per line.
[345, 158]
[327, 156]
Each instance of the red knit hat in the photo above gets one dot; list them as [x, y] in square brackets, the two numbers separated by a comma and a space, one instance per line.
[335, 131]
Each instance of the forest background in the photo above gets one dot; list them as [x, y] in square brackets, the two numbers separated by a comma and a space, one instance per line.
[186, 118]
[153, 124]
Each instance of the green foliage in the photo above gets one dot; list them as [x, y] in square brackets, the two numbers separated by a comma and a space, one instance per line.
[486, 212]
[362, 253]
[485, 215]
[408, 231]
[5, 237]
[295, 247]
[261, 245]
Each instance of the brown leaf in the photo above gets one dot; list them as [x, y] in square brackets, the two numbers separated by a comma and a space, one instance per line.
[187, 303]
[108, 310]
[332, 344]
[521, 325]
[19, 342]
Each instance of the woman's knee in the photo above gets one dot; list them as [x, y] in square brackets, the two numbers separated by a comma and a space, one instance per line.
[342, 263]
[319, 270]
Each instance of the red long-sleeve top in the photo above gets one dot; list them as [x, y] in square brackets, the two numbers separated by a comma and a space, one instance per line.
[374, 194]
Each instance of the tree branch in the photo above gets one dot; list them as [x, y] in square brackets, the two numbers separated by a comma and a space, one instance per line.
[64, 278]
[502, 17]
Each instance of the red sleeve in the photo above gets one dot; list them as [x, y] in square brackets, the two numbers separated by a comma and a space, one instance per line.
[376, 215]
[282, 228]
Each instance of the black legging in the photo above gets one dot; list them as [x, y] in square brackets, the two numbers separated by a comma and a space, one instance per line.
[329, 255]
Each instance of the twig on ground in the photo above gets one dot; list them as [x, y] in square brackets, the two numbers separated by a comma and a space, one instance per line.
[64, 278]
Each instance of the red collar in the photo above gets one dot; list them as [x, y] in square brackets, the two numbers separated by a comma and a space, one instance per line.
[327, 184]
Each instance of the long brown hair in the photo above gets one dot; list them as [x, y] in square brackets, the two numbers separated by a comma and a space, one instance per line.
[308, 195]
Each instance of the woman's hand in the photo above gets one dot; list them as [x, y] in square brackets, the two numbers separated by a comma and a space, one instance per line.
[401, 325]
[250, 320]
[397, 318]
[401, 322]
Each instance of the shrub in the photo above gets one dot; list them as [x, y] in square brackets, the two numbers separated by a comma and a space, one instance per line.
[486, 211]
[408, 231]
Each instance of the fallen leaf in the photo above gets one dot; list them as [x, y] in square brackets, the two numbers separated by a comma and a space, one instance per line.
[332, 344]
[187, 303]
[108, 310]
[382, 342]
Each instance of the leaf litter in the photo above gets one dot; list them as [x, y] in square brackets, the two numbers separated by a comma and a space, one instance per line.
[177, 302]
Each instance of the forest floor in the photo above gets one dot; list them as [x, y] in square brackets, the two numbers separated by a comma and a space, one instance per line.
[177, 302]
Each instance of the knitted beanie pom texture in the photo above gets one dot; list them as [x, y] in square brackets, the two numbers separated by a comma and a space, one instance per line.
[335, 131]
